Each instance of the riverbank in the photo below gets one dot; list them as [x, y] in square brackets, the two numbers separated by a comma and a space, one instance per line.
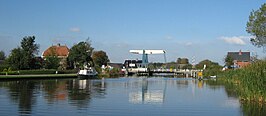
[249, 82]
[38, 76]
[52, 73]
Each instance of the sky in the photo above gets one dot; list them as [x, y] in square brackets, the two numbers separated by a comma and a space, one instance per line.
[193, 29]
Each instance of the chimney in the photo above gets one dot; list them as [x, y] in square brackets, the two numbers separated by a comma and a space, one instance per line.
[240, 52]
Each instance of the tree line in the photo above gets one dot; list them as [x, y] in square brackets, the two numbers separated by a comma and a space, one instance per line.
[24, 57]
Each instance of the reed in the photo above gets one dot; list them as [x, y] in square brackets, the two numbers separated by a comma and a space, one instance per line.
[249, 82]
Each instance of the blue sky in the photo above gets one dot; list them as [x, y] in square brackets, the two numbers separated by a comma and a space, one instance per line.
[200, 29]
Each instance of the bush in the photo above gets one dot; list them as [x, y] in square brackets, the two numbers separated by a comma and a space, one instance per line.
[44, 71]
[3, 66]
[9, 73]
[249, 82]
[67, 71]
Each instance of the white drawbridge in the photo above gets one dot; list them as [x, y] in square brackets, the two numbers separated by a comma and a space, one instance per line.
[145, 54]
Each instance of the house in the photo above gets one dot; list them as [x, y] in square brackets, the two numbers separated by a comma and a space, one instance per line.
[240, 59]
[132, 63]
[115, 65]
[60, 51]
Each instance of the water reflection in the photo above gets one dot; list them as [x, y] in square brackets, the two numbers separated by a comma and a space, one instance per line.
[118, 96]
[81, 91]
[78, 93]
[21, 92]
[230, 91]
[248, 108]
[54, 90]
[149, 95]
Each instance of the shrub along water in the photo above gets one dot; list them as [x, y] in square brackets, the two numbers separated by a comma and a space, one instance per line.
[38, 72]
[249, 82]
[111, 73]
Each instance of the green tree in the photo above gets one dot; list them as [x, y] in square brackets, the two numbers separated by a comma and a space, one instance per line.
[228, 61]
[209, 64]
[52, 61]
[2, 55]
[29, 49]
[256, 26]
[80, 54]
[23, 56]
[155, 65]
[100, 58]
[183, 63]
[212, 68]
[15, 58]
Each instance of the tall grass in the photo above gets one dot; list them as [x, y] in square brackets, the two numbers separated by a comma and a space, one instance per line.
[249, 82]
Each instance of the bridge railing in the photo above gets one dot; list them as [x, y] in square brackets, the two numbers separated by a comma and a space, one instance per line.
[175, 70]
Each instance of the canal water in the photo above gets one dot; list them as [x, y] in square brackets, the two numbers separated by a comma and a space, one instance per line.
[154, 96]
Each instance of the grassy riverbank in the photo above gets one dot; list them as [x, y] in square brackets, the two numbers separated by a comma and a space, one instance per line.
[249, 83]
[51, 73]
[37, 72]
[38, 76]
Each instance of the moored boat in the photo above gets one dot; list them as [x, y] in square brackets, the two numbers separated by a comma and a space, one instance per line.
[89, 72]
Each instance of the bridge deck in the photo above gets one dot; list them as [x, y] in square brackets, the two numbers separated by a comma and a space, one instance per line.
[165, 71]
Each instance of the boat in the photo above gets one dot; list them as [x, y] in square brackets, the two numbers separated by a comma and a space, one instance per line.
[89, 72]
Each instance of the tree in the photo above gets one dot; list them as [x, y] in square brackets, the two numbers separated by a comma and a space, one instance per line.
[256, 26]
[228, 61]
[100, 58]
[155, 65]
[15, 58]
[23, 56]
[80, 54]
[52, 61]
[29, 49]
[183, 63]
[3, 63]
[2, 55]
[212, 68]
[209, 64]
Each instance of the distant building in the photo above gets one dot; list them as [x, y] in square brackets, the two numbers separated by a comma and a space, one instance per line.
[240, 59]
[132, 63]
[115, 65]
[60, 51]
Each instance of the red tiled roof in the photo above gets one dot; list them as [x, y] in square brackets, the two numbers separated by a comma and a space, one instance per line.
[59, 51]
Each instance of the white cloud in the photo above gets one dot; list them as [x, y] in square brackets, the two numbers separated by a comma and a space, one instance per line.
[185, 43]
[75, 29]
[189, 44]
[237, 40]
[168, 38]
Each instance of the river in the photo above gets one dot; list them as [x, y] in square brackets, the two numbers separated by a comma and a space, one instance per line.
[141, 96]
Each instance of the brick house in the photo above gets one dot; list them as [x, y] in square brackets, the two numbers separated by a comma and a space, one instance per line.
[60, 51]
[240, 59]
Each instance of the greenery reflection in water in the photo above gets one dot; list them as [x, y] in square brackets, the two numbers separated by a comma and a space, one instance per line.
[79, 93]
[21, 92]
[248, 108]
